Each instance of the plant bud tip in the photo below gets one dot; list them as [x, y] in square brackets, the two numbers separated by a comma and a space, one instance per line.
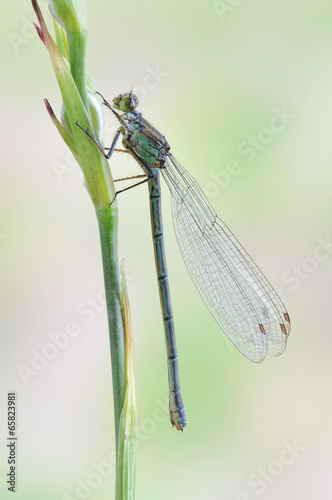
[40, 33]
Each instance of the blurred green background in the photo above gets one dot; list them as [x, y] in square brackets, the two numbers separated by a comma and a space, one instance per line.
[211, 76]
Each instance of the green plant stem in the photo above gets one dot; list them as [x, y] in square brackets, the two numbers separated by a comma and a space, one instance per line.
[126, 460]
[83, 108]
[108, 230]
[77, 52]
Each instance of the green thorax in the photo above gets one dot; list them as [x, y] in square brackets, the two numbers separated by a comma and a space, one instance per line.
[146, 141]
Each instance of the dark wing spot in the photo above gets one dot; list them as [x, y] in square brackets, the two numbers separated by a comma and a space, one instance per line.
[283, 329]
[287, 317]
[261, 327]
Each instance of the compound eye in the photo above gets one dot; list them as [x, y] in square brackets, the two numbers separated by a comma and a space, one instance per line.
[128, 103]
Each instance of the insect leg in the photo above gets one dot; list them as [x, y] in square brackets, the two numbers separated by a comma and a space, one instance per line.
[111, 149]
[134, 185]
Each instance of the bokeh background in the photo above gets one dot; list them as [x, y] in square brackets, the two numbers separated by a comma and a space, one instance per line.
[211, 76]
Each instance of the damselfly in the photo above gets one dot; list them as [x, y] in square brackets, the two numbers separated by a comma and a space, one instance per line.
[238, 295]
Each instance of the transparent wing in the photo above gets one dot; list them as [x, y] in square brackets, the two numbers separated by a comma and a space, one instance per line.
[238, 295]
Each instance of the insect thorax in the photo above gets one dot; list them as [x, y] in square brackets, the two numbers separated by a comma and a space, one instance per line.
[144, 140]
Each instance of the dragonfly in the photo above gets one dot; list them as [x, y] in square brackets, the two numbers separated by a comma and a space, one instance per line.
[237, 294]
